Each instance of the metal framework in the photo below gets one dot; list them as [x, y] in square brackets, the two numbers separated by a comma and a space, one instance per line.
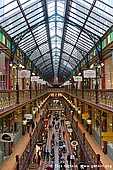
[56, 35]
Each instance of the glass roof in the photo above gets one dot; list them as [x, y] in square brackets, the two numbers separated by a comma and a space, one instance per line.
[56, 34]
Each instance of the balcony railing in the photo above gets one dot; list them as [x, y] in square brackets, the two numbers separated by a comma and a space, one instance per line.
[8, 98]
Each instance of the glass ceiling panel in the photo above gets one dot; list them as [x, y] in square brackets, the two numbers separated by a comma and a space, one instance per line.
[68, 48]
[41, 65]
[76, 53]
[46, 57]
[44, 49]
[105, 10]
[10, 8]
[66, 65]
[35, 19]
[72, 62]
[39, 61]
[70, 39]
[35, 55]
[65, 56]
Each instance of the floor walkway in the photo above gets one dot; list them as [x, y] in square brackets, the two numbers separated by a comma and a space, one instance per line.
[9, 163]
[57, 133]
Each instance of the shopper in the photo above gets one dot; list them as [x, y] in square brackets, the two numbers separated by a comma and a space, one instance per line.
[63, 134]
[38, 161]
[53, 123]
[47, 155]
[33, 125]
[28, 126]
[72, 157]
[68, 159]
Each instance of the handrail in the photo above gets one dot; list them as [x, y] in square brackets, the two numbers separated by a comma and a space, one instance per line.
[36, 134]
[8, 98]
[84, 150]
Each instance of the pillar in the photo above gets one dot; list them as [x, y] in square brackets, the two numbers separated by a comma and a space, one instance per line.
[90, 125]
[23, 83]
[23, 126]
[104, 129]
[10, 120]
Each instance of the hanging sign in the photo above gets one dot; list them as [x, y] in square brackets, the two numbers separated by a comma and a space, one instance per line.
[107, 136]
[89, 73]
[34, 78]
[28, 116]
[67, 122]
[23, 74]
[6, 137]
[70, 130]
[77, 78]
[85, 116]
[39, 143]
[74, 143]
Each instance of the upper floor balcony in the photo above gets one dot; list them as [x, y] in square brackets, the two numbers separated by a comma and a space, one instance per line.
[9, 98]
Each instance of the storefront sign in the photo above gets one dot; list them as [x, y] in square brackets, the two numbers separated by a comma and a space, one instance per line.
[6, 137]
[107, 136]
[28, 116]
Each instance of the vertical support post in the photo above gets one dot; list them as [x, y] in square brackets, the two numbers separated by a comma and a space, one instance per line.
[104, 130]
[76, 125]
[84, 138]
[96, 86]
[76, 88]
[17, 86]
[23, 126]
[10, 131]
[17, 160]
[90, 125]
[31, 107]
[30, 86]
[82, 84]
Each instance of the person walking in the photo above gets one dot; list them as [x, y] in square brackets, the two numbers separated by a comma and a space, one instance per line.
[47, 155]
[72, 158]
[28, 126]
[38, 161]
[33, 125]
[53, 123]
[63, 134]
[68, 159]
[53, 136]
